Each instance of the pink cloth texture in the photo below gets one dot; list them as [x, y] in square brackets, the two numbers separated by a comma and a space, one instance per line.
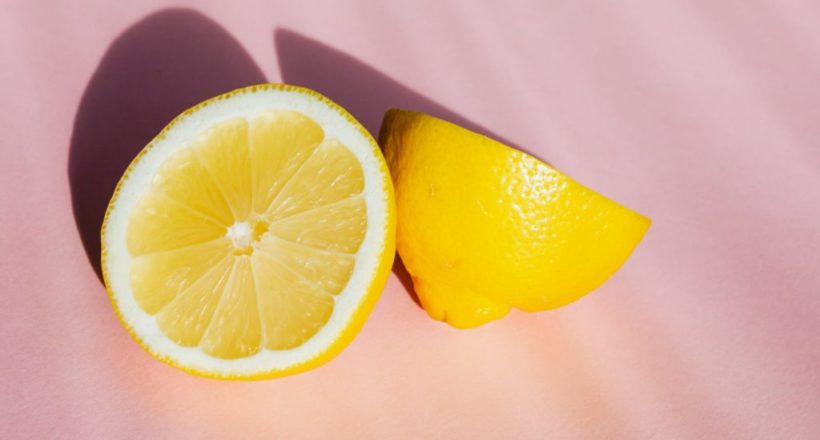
[703, 115]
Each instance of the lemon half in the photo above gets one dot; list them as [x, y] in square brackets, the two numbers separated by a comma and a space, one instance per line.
[483, 228]
[252, 237]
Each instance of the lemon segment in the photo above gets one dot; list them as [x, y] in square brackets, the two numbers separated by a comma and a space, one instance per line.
[299, 311]
[224, 152]
[283, 141]
[157, 278]
[337, 227]
[188, 315]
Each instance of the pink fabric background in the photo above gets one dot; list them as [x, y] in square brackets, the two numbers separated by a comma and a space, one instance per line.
[704, 115]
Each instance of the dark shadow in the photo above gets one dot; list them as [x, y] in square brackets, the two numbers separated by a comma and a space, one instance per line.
[405, 279]
[154, 70]
[361, 89]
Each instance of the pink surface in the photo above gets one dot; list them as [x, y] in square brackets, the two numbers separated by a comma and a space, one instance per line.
[704, 115]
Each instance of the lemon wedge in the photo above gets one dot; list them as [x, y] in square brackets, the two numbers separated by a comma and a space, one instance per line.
[483, 227]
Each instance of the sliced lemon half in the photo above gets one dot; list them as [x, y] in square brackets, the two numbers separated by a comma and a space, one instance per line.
[252, 237]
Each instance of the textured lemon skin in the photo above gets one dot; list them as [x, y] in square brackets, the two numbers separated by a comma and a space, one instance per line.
[483, 227]
[374, 289]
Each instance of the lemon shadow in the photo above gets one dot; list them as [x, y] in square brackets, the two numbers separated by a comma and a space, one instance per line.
[157, 68]
[355, 85]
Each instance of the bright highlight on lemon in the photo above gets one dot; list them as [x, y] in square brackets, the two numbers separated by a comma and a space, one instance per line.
[483, 227]
[253, 236]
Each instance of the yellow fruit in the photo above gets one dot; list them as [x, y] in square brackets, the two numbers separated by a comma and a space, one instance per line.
[483, 227]
[252, 236]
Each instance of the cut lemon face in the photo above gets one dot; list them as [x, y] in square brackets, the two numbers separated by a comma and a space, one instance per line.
[252, 236]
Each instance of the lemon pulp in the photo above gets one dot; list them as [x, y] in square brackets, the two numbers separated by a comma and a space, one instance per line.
[246, 235]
